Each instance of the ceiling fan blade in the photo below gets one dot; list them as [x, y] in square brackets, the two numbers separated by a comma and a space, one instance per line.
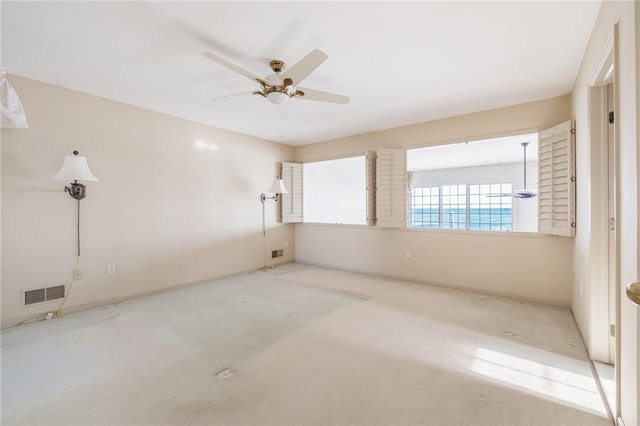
[231, 66]
[234, 95]
[305, 66]
[524, 193]
[319, 95]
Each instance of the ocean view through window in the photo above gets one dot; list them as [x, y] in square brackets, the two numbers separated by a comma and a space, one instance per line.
[462, 207]
[470, 185]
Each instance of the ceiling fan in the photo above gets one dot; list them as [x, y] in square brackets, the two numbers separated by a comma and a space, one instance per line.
[280, 86]
[519, 193]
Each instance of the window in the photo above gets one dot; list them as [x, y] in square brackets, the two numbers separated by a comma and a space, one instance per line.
[494, 185]
[454, 207]
[488, 212]
[335, 191]
[472, 185]
[425, 207]
[462, 207]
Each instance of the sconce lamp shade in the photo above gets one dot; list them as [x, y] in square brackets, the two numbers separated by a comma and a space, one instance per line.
[75, 167]
[277, 187]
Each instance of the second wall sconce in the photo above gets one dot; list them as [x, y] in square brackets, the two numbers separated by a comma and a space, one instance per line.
[277, 188]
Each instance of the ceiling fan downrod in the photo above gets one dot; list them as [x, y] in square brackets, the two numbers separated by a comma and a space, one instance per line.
[524, 145]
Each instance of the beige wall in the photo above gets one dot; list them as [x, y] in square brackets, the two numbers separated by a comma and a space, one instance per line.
[532, 267]
[483, 125]
[588, 305]
[164, 211]
[525, 266]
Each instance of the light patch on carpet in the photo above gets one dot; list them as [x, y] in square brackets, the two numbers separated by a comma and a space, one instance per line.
[554, 383]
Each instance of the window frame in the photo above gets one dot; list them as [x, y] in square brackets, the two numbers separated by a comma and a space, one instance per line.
[385, 208]
[469, 205]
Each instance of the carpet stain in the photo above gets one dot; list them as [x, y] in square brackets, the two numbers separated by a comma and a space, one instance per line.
[225, 374]
[515, 335]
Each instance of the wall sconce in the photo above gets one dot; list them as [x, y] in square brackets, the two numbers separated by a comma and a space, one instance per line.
[75, 168]
[277, 188]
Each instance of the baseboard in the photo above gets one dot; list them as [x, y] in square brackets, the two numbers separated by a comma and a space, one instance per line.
[12, 322]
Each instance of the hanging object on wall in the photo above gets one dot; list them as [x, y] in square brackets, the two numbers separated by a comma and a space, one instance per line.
[13, 115]
[75, 168]
[277, 188]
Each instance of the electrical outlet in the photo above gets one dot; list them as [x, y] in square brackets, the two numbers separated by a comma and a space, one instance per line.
[408, 254]
[111, 269]
[77, 275]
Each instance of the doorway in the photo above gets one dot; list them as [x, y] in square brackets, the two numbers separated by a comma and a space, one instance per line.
[604, 226]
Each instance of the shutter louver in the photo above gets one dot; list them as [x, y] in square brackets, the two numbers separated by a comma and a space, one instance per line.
[556, 181]
[391, 191]
[292, 201]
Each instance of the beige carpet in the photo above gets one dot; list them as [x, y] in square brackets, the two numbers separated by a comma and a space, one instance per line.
[303, 345]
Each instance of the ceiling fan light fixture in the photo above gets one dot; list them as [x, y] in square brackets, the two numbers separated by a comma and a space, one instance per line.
[277, 97]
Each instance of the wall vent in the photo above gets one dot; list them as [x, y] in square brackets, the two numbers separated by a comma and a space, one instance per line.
[277, 253]
[41, 295]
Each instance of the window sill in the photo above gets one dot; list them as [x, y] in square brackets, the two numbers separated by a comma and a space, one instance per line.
[504, 234]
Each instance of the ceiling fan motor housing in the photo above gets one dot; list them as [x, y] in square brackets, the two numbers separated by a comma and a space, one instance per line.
[276, 65]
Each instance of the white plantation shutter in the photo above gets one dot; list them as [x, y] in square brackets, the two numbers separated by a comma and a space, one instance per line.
[556, 181]
[391, 191]
[371, 188]
[292, 201]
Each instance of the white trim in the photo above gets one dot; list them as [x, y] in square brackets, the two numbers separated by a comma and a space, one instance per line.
[602, 74]
[292, 209]
[391, 188]
[556, 180]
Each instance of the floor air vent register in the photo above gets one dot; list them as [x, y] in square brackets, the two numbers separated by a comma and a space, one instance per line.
[41, 295]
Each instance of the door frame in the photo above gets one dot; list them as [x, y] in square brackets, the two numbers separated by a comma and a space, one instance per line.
[602, 75]
[602, 269]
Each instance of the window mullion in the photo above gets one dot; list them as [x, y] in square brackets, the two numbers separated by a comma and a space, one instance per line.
[440, 213]
[468, 207]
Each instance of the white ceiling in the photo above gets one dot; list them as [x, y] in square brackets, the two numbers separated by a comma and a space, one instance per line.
[400, 62]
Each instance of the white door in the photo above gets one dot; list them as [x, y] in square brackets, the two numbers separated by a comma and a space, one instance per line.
[628, 354]
[628, 358]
